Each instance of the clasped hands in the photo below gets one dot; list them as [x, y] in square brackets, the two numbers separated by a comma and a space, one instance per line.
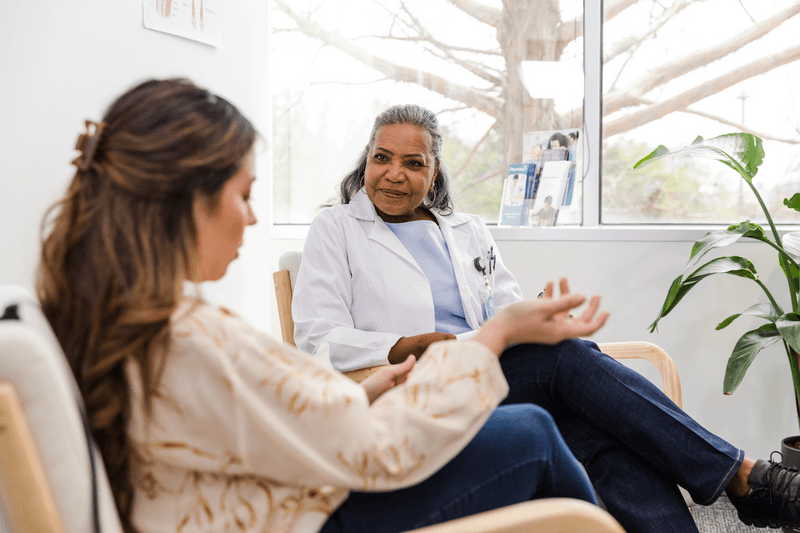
[543, 321]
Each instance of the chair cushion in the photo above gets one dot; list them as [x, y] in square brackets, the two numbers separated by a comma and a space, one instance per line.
[290, 261]
[32, 361]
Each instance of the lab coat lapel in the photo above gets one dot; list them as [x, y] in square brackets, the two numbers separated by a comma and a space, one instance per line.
[361, 207]
[458, 239]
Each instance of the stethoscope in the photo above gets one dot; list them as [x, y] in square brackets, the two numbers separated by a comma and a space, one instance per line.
[480, 265]
[487, 299]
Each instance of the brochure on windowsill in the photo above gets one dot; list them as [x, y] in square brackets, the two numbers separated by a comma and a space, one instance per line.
[556, 145]
[552, 186]
[518, 192]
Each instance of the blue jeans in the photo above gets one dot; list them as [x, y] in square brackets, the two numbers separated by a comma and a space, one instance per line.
[517, 455]
[635, 444]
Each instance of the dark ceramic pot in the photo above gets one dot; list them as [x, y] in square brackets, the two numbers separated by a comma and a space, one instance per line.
[791, 458]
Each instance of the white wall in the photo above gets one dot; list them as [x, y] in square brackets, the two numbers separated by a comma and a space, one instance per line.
[66, 62]
[633, 278]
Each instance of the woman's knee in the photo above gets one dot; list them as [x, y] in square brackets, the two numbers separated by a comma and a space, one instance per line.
[530, 421]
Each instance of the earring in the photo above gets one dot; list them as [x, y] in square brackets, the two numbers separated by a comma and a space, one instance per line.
[433, 200]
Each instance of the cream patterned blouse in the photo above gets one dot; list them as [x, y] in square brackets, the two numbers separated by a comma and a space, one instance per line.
[249, 434]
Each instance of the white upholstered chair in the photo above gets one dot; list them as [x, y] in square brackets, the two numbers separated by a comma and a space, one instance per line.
[52, 477]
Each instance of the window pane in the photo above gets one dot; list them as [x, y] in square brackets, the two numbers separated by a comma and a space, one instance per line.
[677, 69]
[337, 63]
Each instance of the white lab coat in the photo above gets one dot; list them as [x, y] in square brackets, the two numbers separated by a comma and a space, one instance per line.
[359, 290]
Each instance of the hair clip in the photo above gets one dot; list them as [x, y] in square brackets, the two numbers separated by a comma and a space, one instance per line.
[87, 144]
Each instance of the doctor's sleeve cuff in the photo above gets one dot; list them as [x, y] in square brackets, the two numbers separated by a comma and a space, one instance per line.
[351, 349]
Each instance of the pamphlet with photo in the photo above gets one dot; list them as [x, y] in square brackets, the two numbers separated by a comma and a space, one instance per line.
[552, 184]
[555, 145]
[518, 192]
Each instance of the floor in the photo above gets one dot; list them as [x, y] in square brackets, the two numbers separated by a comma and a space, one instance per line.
[720, 517]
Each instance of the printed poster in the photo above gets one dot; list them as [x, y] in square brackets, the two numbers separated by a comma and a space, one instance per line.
[192, 19]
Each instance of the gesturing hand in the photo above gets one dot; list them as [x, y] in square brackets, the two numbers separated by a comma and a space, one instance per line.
[563, 286]
[387, 378]
[544, 321]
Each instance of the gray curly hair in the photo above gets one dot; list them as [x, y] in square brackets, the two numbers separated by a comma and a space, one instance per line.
[439, 196]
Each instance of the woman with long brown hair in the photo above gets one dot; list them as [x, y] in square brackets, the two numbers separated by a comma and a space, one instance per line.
[206, 424]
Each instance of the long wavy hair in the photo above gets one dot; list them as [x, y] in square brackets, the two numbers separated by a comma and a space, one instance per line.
[117, 247]
[440, 196]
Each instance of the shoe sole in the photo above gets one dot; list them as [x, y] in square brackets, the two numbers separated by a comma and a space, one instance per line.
[764, 522]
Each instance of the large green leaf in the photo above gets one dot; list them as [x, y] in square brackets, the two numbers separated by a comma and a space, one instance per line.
[746, 349]
[762, 310]
[720, 238]
[789, 328]
[793, 202]
[789, 269]
[734, 265]
[742, 152]
[676, 291]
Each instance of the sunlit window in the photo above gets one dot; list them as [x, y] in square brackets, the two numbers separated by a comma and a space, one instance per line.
[504, 76]
[678, 69]
[492, 72]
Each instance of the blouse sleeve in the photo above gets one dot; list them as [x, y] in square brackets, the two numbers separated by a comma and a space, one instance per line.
[275, 412]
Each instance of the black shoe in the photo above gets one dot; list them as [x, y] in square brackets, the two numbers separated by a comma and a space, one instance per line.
[773, 498]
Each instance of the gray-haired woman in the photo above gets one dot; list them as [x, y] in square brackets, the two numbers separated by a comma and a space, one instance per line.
[394, 268]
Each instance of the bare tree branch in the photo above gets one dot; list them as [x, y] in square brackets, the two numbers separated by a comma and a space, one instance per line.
[453, 109]
[572, 29]
[470, 96]
[474, 150]
[740, 127]
[637, 38]
[686, 98]
[622, 69]
[439, 44]
[615, 7]
[443, 49]
[747, 12]
[481, 12]
[480, 179]
[658, 76]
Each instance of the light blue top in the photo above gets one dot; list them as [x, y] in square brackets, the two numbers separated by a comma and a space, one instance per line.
[424, 241]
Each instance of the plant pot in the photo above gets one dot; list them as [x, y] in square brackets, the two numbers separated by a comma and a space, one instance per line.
[791, 459]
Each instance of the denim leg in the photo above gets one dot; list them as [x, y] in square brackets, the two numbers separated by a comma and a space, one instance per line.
[619, 422]
[518, 455]
[639, 497]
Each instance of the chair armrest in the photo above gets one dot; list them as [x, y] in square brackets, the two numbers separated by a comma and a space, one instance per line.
[670, 379]
[553, 515]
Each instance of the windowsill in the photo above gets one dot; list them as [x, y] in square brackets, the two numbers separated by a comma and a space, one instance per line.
[619, 233]
[649, 233]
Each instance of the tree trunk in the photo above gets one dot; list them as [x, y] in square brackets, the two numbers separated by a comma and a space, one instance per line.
[529, 31]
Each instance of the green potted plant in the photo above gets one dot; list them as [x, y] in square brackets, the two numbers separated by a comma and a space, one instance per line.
[744, 153]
